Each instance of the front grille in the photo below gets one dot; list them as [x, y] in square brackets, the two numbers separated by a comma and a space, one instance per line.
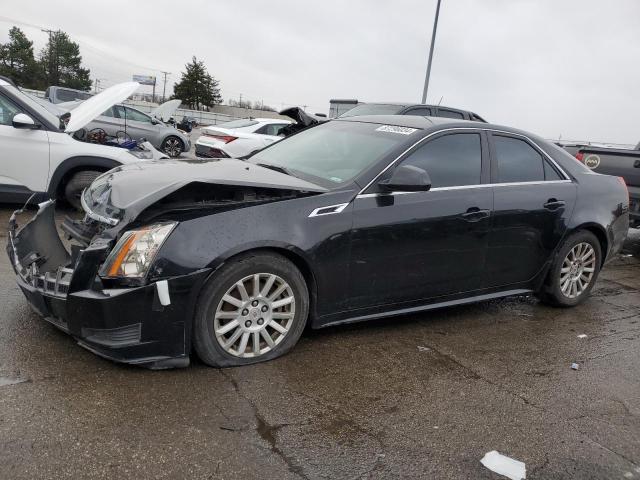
[55, 285]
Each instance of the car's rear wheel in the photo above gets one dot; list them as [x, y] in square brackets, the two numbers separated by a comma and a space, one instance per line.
[254, 309]
[172, 146]
[574, 271]
[76, 184]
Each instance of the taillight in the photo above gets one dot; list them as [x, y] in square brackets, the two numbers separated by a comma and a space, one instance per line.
[624, 184]
[222, 138]
[580, 157]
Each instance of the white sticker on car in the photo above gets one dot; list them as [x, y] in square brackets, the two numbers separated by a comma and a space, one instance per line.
[592, 161]
[396, 129]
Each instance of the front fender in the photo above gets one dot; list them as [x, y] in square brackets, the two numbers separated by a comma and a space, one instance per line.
[78, 163]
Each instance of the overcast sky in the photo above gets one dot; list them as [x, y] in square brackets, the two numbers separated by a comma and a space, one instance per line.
[554, 67]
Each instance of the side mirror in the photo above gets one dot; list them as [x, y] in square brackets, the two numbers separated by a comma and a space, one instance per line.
[154, 121]
[407, 178]
[22, 120]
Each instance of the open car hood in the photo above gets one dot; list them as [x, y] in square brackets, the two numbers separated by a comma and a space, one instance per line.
[132, 188]
[165, 111]
[301, 117]
[95, 106]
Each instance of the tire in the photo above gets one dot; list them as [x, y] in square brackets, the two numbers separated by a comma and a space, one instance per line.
[172, 146]
[76, 184]
[567, 266]
[210, 332]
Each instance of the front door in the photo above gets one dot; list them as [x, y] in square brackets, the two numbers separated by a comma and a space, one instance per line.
[421, 245]
[24, 155]
[533, 201]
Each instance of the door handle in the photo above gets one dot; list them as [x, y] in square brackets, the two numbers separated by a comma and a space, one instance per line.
[474, 214]
[553, 204]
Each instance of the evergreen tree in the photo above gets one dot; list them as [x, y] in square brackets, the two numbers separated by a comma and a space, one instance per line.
[61, 63]
[197, 88]
[17, 61]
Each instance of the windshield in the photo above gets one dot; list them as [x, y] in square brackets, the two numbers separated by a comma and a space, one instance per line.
[34, 105]
[373, 109]
[333, 153]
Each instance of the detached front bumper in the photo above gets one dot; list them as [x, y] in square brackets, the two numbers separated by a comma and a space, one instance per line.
[127, 324]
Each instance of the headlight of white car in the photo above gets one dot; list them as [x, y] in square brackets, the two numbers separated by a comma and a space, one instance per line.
[134, 253]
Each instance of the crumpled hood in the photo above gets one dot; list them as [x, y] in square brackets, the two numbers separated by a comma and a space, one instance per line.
[138, 185]
[165, 111]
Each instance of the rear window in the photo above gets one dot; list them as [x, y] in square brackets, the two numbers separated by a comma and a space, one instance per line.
[373, 109]
[237, 123]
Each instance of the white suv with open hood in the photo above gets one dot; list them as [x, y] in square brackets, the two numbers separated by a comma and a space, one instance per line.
[40, 153]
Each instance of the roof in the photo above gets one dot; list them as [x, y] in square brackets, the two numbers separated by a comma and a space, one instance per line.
[413, 121]
[4, 82]
[272, 120]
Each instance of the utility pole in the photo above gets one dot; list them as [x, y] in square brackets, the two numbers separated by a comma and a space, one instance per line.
[164, 88]
[51, 68]
[433, 42]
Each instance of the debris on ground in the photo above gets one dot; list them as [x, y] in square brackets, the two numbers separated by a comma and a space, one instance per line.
[582, 335]
[503, 465]
[423, 349]
[5, 381]
[575, 366]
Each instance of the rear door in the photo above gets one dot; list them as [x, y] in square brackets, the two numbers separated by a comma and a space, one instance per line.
[420, 245]
[109, 121]
[533, 201]
[137, 124]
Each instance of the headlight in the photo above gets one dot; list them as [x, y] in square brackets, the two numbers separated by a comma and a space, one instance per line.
[134, 253]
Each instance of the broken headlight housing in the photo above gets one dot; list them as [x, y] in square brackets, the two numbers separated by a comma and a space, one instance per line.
[134, 253]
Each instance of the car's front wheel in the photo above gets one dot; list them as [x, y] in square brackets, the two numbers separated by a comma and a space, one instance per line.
[574, 271]
[76, 184]
[172, 146]
[253, 309]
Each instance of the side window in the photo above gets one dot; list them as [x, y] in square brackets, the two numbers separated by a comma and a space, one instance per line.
[443, 112]
[420, 111]
[271, 129]
[110, 113]
[450, 160]
[517, 161]
[550, 173]
[8, 110]
[135, 115]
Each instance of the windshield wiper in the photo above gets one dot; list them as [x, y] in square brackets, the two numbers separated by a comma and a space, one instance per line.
[276, 168]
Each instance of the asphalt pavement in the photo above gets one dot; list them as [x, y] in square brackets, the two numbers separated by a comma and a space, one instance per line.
[421, 396]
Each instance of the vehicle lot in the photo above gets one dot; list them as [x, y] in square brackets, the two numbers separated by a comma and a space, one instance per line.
[422, 396]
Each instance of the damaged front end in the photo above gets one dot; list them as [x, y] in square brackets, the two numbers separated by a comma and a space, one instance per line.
[106, 282]
[139, 324]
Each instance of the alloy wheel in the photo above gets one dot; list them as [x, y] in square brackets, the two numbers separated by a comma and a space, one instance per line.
[577, 270]
[254, 315]
[173, 147]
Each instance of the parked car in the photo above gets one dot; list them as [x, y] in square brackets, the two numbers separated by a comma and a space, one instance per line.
[411, 109]
[187, 124]
[124, 121]
[64, 94]
[622, 162]
[238, 138]
[252, 135]
[39, 154]
[351, 220]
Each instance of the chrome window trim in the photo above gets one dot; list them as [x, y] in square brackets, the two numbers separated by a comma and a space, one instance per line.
[465, 187]
[472, 129]
[336, 209]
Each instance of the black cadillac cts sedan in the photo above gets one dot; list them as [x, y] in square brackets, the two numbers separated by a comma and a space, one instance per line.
[355, 219]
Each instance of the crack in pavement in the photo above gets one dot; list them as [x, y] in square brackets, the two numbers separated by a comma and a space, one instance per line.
[266, 431]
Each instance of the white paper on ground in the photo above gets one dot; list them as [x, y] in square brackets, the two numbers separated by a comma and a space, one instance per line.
[503, 465]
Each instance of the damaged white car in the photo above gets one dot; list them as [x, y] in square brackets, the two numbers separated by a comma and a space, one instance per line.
[52, 156]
